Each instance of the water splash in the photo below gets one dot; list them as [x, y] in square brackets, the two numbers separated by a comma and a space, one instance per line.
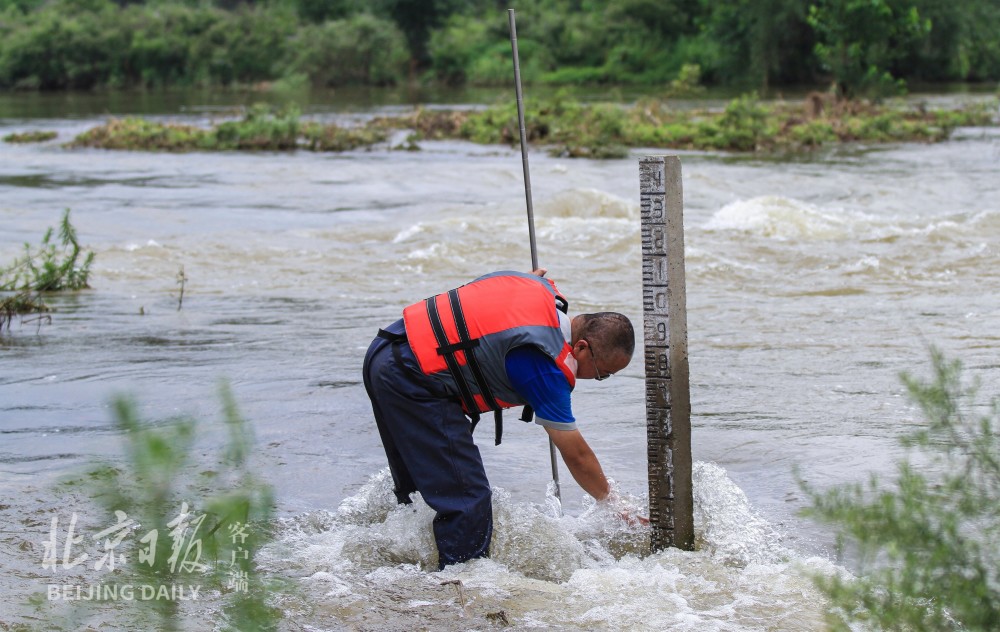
[726, 526]
[372, 563]
[780, 218]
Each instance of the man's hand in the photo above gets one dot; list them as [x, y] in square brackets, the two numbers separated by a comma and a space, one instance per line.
[539, 272]
[581, 461]
[633, 520]
[586, 470]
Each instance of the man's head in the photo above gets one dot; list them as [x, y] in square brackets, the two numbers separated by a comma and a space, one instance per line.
[603, 344]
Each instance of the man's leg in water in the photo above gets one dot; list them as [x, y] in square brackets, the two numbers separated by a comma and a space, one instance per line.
[432, 439]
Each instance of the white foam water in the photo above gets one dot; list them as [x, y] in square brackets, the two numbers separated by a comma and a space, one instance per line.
[372, 565]
[780, 218]
[788, 219]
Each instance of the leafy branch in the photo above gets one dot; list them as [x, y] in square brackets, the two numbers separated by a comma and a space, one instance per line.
[928, 545]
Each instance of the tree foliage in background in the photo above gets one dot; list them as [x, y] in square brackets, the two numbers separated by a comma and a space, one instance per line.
[765, 42]
[962, 43]
[361, 50]
[864, 46]
[859, 41]
[929, 544]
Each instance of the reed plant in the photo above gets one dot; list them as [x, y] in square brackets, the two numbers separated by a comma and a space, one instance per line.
[927, 543]
[51, 267]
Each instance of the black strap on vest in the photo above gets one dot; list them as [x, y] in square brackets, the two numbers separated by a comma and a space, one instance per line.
[470, 354]
[467, 345]
[448, 352]
[391, 337]
[562, 304]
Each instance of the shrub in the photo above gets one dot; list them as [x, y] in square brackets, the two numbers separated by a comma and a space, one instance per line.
[261, 128]
[928, 544]
[359, 50]
[335, 138]
[813, 133]
[54, 48]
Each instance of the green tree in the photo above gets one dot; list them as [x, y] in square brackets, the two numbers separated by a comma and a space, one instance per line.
[962, 44]
[246, 45]
[323, 10]
[362, 50]
[760, 42]
[416, 20]
[859, 40]
[168, 45]
[63, 46]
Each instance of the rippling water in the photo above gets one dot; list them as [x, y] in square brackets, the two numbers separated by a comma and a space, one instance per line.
[812, 282]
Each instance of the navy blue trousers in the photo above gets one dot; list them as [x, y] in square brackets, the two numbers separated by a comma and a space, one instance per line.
[428, 441]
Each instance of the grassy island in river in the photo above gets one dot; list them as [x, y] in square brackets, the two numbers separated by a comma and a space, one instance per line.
[568, 127]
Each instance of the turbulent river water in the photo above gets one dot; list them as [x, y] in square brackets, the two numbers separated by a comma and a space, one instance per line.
[813, 281]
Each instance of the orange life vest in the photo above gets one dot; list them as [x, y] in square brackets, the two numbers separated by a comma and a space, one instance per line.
[462, 337]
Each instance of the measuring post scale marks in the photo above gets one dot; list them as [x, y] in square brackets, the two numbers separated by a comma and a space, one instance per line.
[668, 399]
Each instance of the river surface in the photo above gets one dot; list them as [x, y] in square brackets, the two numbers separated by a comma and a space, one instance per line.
[812, 282]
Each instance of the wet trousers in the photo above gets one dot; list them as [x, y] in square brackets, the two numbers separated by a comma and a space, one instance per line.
[428, 441]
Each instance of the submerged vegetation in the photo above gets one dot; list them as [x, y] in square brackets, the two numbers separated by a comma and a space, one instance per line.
[261, 128]
[51, 267]
[29, 137]
[566, 127]
[22, 304]
[928, 544]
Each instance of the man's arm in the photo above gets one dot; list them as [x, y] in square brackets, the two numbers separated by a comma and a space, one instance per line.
[581, 461]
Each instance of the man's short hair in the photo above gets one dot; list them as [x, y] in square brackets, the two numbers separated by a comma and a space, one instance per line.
[609, 330]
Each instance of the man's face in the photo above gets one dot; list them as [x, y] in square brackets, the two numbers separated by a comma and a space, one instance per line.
[594, 364]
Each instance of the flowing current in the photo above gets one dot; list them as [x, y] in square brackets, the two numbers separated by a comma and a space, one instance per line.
[813, 281]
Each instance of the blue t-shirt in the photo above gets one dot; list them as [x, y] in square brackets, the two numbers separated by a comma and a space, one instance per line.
[539, 381]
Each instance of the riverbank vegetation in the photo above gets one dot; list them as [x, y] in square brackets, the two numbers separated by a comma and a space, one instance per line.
[566, 127]
[928, 544]
[865, 48]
